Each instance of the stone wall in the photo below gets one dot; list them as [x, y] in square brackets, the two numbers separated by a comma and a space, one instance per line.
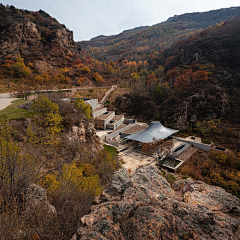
[116, 133]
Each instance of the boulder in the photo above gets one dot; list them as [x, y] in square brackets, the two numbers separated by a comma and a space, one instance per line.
[144, 206]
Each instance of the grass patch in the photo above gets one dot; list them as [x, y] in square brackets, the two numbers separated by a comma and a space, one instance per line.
[170, 178]
[107, 103]
[111, 150]
[13, 112]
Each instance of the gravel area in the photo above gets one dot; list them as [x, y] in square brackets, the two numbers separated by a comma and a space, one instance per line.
[5, 100]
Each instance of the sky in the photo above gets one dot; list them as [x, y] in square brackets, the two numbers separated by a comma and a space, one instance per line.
[91, 18]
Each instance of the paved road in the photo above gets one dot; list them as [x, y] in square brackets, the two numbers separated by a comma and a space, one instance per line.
[5, 100]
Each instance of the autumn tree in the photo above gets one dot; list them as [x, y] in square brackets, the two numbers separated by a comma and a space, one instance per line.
[200, 76]
[157, 148]
[79, 103]
[159, 71]
[19, 69]
[184, 80]
[151, 80]
[85, 69]
[98, 77]
[47, 115]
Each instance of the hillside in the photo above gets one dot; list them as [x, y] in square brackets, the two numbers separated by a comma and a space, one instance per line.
[196, 79]
[36, 51]
[140, 43]
[37, 37]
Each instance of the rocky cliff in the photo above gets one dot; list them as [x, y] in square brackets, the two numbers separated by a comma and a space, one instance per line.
[144, 206]
[39, 38]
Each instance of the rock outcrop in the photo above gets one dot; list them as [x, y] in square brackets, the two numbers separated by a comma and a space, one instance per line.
[39, 38]
[144, 206]
[36, 197]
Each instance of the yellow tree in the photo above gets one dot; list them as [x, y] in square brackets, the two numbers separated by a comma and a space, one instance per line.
[19, 69]
[47, 115]
[79, 103]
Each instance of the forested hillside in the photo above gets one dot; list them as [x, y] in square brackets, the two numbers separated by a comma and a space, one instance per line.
[141, 43]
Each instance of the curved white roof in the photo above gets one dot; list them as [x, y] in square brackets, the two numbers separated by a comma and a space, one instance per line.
[155, 131]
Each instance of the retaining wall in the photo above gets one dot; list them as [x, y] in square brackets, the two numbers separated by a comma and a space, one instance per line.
[98, 113]
[116, 133]
[202, 146]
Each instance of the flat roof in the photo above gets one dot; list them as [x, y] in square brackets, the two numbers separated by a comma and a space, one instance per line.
[104, 116]
[120, 127]
[135, 129]
[156, 131]
[98, 109]
[117, 117]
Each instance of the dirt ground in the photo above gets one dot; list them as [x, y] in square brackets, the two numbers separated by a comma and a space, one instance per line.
[135, 160]
[91, 93]
[118, 92]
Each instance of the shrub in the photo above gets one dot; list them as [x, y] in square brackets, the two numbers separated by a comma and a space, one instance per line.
[86, 69]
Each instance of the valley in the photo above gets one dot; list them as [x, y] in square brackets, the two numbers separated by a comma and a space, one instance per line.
[129, 136]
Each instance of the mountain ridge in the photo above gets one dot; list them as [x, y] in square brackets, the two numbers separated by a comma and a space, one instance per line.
[154, 38]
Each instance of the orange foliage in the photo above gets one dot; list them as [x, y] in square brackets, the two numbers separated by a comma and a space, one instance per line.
[98, 77]
[200, 76]
[80, 81]
[169, 59]
[151, 80]
[8, 63]
[157, 147]
[182, 82]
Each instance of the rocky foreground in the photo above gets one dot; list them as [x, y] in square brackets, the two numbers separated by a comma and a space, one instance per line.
[144, 206]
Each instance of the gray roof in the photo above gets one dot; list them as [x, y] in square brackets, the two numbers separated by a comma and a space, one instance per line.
[155, 131]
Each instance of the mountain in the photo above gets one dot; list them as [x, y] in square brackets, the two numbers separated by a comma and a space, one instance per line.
[37, 37]
[143, 205]
[137, 44]
[39, 52]
[219, 45]
[196, 79]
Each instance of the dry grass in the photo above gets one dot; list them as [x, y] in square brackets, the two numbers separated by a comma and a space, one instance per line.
[91, 93]
[118, 92]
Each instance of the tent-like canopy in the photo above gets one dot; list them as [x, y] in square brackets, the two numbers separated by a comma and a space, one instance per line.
[155, 131]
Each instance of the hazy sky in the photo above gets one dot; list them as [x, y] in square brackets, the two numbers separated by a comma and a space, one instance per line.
[90, 18]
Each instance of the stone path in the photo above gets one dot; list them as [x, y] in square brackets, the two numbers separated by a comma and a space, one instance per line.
[5, 100]
[104, 99]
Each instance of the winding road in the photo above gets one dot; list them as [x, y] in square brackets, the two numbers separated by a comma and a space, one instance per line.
[5, 100]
